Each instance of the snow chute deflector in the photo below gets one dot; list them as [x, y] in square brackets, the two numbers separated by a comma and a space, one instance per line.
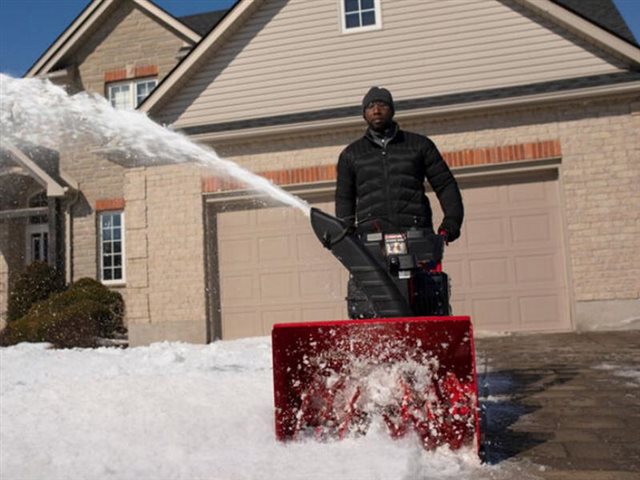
[367, 272]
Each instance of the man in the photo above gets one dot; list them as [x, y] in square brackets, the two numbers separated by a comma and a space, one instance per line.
[380, 184]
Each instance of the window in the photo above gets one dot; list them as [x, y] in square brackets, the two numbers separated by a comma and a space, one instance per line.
[112, 247]
[37, 231]
[128, 95]
[359, 15]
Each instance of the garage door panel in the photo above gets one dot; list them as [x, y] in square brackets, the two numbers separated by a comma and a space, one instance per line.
[277, 286]
[310, 251]
[485, 232]
[321, 312]
[541, 310]
[278, 249]
[236, 220]
[241, 323]
[528, 193]
[531, 228]
[237, 252]
[239, 289]
[492, 313]
[274, 217]
[320, 284]
[480, 198]
[270, 317]
[490, 271]
[538, 268]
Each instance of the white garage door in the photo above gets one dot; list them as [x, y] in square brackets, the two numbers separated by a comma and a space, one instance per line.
[507, 270]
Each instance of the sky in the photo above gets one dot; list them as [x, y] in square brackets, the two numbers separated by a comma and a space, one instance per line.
[29, 27]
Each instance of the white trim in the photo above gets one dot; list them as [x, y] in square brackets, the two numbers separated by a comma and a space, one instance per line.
[30, 230]
[376, 26]
[92, 15]
[119, 281]
[133, 89]
[54, 189]
[169, 20]
[591, 31]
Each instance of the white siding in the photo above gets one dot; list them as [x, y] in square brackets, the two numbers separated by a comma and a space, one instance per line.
[291, 56]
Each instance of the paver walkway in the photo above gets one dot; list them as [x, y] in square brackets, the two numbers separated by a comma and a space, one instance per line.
[569, 403]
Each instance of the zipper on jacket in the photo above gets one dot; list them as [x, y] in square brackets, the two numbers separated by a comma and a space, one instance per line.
[385, 169]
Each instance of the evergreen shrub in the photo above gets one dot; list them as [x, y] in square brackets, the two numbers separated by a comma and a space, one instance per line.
[76, 317]
[35, 284]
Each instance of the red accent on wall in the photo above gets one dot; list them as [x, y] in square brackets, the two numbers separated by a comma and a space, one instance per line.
[460, 158]
[120, 74]
[146, 71]
[103, 204]
[115, 75]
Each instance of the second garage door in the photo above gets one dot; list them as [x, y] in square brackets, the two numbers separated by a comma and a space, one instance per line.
[507, 270]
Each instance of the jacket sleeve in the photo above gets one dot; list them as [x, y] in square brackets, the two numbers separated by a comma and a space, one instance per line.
[444, 184]
[345, 190]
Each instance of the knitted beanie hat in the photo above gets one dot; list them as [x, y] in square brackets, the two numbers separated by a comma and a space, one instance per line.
[378, 94]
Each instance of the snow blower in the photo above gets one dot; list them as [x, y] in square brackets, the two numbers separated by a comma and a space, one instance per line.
[401, 360]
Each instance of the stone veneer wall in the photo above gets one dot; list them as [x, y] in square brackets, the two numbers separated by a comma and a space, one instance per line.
[165, 294]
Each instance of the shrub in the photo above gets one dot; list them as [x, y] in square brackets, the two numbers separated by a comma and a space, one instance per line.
[73, 318]
[35, 284]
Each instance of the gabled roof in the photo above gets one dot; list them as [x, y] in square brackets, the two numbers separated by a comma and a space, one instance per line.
[603, 13]
[202, 23]
[93, 13]
[609, 33]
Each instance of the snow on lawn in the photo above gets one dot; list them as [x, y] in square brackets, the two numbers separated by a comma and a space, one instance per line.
[181, 411]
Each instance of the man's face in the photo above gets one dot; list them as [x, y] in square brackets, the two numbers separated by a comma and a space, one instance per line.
[378, 115]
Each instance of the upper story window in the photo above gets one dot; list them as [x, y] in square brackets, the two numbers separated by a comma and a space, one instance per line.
[359, 15]
[128, 95]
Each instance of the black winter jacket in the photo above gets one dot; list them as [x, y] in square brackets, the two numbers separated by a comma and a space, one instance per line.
[382, 189]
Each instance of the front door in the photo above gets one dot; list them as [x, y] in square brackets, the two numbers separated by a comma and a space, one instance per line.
[37, 248]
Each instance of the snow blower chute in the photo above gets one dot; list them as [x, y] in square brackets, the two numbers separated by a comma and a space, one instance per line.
[401, 360]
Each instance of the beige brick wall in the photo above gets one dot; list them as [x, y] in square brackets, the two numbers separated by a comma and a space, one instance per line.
[599, 173]
[165, 253]
[128, 38]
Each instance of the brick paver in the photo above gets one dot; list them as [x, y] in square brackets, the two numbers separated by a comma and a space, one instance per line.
[568, 403]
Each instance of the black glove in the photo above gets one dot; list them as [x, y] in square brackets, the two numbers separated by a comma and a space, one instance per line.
[450, 228]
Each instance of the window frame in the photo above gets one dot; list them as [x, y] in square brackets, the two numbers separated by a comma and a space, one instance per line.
[133, 90]
[367, 28]
[101, 256]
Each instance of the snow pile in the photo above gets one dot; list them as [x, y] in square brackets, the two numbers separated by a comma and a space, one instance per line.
[34, 111]
[630, 373]
[179, 411]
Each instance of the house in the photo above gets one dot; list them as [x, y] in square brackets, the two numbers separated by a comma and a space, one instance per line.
[535, 105]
